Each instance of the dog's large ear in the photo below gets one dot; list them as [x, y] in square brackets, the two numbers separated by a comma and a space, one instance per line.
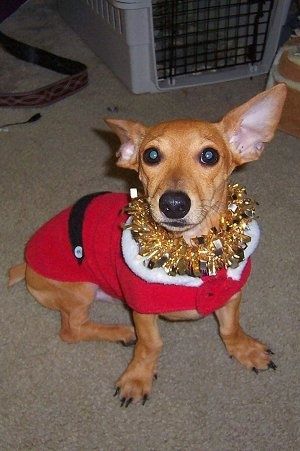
[251, 125]
[130, 134]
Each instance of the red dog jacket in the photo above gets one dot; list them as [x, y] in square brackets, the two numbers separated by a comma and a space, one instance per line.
[111, 262]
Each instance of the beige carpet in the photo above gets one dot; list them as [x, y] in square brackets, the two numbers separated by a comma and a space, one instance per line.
[55, 396]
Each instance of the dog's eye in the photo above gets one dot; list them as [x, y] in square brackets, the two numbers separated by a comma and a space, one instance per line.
[209, 156]
[151, 156]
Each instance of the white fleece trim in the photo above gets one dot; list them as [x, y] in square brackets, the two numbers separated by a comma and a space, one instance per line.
[254, 232]
[138, 264]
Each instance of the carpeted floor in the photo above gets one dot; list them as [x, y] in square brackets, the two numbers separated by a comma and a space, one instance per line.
[56, 396]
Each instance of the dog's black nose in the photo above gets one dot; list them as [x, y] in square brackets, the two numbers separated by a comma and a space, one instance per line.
[175, 204]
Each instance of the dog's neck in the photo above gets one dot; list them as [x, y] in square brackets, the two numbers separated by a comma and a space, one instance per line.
[223, 245]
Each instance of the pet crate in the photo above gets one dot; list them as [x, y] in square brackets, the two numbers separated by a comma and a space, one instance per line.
[161, 45]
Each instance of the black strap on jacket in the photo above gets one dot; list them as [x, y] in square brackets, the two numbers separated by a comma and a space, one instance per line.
[76, 220]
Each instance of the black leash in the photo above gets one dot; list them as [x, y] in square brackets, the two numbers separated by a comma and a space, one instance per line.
[77, 75]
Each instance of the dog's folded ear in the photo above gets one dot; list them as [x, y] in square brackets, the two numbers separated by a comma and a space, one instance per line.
[251, 125]
[130, 134]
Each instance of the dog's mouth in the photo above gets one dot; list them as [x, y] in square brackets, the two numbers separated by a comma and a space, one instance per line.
[177, 226]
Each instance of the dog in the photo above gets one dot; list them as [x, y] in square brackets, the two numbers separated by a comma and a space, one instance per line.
[184, 166]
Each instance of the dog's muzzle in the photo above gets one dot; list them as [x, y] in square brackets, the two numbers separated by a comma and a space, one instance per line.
[175, 204]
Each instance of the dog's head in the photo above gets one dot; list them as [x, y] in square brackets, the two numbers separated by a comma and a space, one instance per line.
[184, 164]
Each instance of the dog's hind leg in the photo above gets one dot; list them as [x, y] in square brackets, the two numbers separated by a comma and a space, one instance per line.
[76, 326]
[73, 301]
[249, 352]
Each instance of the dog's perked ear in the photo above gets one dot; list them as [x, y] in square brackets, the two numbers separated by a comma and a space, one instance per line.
[251, 125]
[130, 134]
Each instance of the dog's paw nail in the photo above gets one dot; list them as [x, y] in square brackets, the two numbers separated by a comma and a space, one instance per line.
[117, 392]
[270, 352]
[155, 376]
[145, 399]
[123, 401]
[128, 402]
[272, 365]
[255, 370]
[128, 343]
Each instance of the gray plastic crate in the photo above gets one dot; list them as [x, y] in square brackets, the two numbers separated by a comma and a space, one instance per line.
[160, 45]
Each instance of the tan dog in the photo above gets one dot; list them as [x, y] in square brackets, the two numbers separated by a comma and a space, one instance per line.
[184, 166]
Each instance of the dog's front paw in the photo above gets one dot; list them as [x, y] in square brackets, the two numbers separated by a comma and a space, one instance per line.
[134, 386]
[271, 365]
[251, 353]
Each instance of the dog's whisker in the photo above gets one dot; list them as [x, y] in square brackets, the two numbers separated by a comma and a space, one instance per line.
[205, 210]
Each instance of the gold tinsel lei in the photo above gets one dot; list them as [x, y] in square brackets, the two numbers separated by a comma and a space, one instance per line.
[220, 248]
